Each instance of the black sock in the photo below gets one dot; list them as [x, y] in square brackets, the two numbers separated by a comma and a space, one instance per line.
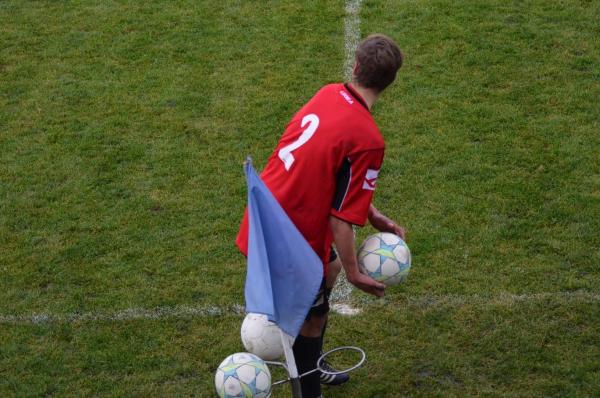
[322, 337]
[328, 294]
[306, 353]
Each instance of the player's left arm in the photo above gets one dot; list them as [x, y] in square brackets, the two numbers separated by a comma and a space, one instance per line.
[343, 236]
[383, 223]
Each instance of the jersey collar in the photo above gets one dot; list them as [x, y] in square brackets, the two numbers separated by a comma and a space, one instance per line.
[356, 96]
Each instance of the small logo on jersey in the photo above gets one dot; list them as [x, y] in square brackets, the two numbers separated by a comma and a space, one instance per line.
[347, 97]
[370, 179]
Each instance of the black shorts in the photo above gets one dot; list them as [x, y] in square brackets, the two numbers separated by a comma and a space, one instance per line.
[333, 254]
[320, 306]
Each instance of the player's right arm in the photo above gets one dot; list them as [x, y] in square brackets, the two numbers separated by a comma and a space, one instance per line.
[343, 235]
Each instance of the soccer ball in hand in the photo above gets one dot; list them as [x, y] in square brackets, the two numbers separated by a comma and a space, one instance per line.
[243, 375]
[261, 337]
[385, 257]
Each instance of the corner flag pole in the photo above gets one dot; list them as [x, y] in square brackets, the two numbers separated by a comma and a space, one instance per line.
[284, 272]
[286, 341]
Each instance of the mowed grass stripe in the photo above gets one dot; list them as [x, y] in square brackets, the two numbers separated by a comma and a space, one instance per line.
[408, 302]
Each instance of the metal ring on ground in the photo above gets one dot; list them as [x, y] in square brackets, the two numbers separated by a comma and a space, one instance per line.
[322, 358]
[283, 365]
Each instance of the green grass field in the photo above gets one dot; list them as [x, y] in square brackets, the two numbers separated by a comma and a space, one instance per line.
[123, 127]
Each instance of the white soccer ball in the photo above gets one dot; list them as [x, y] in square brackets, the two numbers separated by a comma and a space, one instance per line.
[261, 337]
[243, 375]
[385, 257]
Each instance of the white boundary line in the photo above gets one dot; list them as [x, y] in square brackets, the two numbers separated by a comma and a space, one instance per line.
[340, 296]
[129, 314]
[194, 312]
[351, 34]
[501, 299]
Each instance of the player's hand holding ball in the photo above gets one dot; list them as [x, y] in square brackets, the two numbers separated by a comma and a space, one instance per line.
[366, 284]
[383, 223]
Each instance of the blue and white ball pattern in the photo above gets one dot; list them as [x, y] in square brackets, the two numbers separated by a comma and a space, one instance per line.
[385, 257]
[243, 375]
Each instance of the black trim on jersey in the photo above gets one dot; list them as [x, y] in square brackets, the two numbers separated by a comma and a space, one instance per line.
[356, 96]
[342, 185]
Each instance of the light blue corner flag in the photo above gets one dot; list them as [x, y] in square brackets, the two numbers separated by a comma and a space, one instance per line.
[284, 272]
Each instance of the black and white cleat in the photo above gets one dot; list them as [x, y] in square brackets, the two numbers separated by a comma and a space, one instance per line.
[332, 380]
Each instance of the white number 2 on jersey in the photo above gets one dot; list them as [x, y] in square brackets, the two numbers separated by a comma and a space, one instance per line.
[285, 153]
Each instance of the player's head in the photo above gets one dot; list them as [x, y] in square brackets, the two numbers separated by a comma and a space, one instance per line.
[378, 59]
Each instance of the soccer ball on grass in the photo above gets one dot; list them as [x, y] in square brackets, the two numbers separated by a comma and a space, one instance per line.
[243, 375]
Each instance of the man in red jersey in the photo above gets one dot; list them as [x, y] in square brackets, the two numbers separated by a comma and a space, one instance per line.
[323, 173]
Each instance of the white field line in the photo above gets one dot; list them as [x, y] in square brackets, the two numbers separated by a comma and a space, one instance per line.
[407, 302]
[129, 314]
[340, 296]
[351, 34]
[502, 299]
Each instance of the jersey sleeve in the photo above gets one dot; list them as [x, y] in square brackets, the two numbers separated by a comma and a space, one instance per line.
[242, 238]
[355, 185]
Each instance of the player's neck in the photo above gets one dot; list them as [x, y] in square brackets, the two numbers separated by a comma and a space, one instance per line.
[369, 95]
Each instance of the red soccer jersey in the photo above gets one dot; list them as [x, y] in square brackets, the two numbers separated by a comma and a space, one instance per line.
[326, 163]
